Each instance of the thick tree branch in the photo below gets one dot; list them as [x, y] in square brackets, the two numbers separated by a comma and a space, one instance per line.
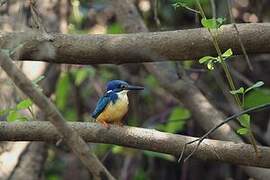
[139, 47]
[223, 151]
[73, 140]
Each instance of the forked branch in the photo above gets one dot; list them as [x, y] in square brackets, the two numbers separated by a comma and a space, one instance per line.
[200, 140]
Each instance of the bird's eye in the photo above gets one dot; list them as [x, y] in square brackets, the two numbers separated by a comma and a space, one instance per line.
[122, 86]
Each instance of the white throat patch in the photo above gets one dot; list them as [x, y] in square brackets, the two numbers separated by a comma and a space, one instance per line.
[122, 96]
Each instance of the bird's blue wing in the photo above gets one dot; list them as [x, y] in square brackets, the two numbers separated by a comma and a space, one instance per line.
[101, 104]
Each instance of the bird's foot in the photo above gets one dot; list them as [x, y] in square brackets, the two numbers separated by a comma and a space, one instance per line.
[119, 123]
[105, 124]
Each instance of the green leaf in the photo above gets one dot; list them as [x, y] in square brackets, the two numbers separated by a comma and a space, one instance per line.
[12, 116]
[245, 120]
[140, 174]
[256, 85]
[15, 115]
[176, 120]
[117, 149]
[123, 150]
[102, 149]
[172, 127]
[24, 104]
[212, 23]
[115, 28]
[62, 91]
[179, 113]
[238, 91]
[70, 114]
[209, 60]
[53, 177]
[257, 97]
[205, 59]
[243, 131]
[227, 53]
[81, 75]
[210, 65]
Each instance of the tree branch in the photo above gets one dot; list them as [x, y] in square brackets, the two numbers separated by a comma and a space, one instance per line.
[147, 139]
[187, 44]
[73, 140]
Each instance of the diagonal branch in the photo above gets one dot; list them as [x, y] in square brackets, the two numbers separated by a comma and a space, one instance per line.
[139, 138]
[73, 140]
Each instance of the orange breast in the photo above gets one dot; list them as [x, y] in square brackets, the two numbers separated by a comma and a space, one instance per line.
[114, 112]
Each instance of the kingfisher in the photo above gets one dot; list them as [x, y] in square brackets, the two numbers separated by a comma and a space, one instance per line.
[113, 105]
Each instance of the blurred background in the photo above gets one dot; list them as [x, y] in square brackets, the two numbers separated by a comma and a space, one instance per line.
[75, 90]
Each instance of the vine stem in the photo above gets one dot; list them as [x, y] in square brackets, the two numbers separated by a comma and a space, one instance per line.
[238, 36]
[224, 65]
[227, 73]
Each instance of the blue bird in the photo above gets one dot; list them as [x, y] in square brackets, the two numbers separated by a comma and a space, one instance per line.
[112, 107]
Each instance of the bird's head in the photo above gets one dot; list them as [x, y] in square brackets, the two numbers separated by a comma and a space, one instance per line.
[118, 86]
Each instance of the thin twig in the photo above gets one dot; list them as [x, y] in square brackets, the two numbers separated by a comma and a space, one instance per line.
[238, 36]
[156, 13]
[38, 22]
[190, 9]
[260, 107]
[214, 12]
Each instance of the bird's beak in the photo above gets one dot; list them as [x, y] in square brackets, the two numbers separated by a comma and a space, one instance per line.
[131, 87]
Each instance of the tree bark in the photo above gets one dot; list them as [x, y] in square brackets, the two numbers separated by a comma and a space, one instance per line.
[189, 44]
[140, 138]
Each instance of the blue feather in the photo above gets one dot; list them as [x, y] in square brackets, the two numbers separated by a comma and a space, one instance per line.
[103, 102]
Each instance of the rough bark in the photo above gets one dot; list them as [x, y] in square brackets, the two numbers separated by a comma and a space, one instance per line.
[189, 44]
[140, 138]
